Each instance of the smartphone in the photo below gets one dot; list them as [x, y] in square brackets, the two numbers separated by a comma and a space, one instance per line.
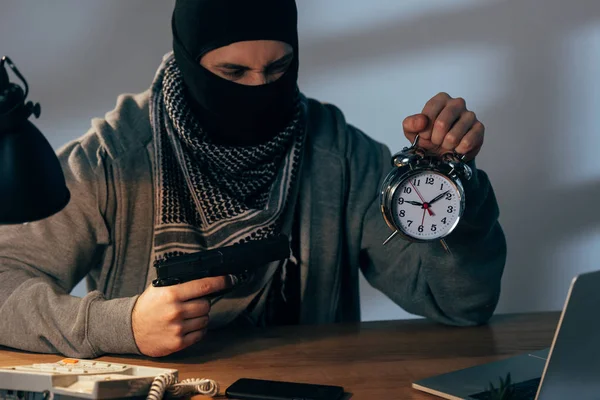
[254, 389]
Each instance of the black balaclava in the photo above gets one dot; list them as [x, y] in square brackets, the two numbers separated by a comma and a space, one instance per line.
[235, 114]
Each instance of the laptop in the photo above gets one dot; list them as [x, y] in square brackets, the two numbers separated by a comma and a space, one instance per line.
[569, 369]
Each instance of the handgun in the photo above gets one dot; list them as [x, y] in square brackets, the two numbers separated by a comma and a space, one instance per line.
[234, 259]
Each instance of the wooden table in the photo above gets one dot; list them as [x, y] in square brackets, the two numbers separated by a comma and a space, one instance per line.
[374, 360]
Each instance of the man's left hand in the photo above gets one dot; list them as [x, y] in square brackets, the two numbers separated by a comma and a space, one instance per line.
[446, 125]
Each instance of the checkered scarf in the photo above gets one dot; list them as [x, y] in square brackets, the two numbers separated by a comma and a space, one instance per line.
[210, 195]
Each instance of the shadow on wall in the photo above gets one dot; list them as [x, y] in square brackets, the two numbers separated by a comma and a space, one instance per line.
[525, 129]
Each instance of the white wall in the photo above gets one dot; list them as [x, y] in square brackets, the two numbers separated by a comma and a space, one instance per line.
[528, 68]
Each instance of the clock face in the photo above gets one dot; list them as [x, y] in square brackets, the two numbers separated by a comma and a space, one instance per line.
[426, 206]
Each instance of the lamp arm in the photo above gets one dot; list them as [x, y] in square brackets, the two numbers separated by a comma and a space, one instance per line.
[26, 108]
[12, 66]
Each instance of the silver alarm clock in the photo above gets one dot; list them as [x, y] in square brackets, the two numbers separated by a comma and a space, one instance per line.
[423, 198]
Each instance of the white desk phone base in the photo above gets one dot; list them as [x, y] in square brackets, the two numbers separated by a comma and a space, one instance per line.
[87, 379]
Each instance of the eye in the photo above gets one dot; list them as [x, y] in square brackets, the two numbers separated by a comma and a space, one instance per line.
[281, 68]
[233, 74]
[278, 68]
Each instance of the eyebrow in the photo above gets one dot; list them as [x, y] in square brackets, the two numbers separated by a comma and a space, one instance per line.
[279, 61]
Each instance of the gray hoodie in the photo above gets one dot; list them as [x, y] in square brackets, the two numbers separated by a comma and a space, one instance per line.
[105, 235]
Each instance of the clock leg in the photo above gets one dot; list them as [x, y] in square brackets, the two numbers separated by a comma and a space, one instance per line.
[390, 238]
[445, 245]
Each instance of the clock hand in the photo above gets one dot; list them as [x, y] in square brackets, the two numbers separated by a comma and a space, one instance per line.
[438, 197]
[425, 205]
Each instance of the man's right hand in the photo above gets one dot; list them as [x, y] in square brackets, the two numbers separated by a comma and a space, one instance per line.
[171, 318]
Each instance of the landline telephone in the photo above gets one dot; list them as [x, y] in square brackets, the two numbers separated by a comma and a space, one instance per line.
[72, 378]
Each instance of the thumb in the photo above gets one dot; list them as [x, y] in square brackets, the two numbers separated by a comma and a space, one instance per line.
[414, 124]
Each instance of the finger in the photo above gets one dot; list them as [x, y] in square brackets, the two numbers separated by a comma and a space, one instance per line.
[194, 324]
[459, 130]
[195, 308]
[446, 119]
[191, 338]
[471, 143]
[427, 145]
[415, 124]
[432, 110]
[202, 287]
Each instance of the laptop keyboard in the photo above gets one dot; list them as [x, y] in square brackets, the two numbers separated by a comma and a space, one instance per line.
[525, 390]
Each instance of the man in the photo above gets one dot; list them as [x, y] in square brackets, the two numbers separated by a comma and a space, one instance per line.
[222, 149]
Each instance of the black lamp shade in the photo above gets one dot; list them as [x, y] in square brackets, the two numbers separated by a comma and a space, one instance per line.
[32, 183]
